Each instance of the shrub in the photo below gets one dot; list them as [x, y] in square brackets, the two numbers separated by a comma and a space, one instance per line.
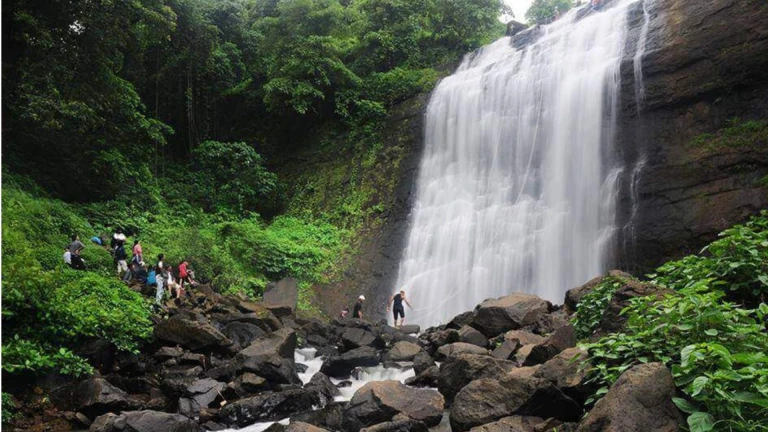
[736, 263]
[592, 305]
[714, 349]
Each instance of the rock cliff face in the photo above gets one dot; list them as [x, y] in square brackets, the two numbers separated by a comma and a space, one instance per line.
[705, 69]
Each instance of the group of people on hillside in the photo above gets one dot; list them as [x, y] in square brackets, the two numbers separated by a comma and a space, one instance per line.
[396, 303]
[160, 276]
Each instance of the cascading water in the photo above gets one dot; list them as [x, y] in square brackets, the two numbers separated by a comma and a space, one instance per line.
[517, 187]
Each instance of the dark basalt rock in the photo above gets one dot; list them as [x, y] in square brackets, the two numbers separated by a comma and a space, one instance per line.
[458, 371]
[641, 399]
[192, 331]
[271, 357]
[378, 402]
[267, 406]
[341, 366]
[144, 421]
[496, 316]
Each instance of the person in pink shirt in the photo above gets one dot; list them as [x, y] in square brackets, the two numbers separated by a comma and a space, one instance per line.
[138, 253]
[184, 275]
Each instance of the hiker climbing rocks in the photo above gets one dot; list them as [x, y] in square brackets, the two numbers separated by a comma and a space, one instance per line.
[160, 276]
[398, 308]
[118, 239]
[120, 259]
[138, 253]
[76, 244]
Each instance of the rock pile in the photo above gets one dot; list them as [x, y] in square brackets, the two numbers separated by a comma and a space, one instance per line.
[511, 364]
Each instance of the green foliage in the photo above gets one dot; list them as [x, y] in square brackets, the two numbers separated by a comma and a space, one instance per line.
[232, 176]
[592, 305]
[737, 134]
[8, 408]
[49, 309]
[714, 349]
[737, 263]
[545, 11]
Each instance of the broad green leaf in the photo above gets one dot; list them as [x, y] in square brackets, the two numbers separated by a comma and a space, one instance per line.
[698, 385]
[684, 406]
[700, 422]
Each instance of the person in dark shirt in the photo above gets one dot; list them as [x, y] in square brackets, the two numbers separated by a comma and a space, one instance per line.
[76, 245]
[77, 262]
[398, 308]
[141, 273]
[357, 312]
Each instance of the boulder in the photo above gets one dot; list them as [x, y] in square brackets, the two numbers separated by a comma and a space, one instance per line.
[510, 424]
[377, 402]
[329, 417]
[506, 350]
[281, 297]
[565, 371]
[487, 400]
[341, 366]
[297, 426]
[640, 400]
[402, 351]
[458, 371]
[191, 331]
[265, 319]
[435, 338]
[574, 295]
[144, 421]
[271, 357]
[166, 353]
[422, 361]
[267, 406]
[469, 335]
[403, 425]
[93, 397]
[454, 349]
[409, 329]
[322, 386]
[523, 337]
[425, 378]
[242, 334]
[199, 395]
[563, 338]
[460, 320]
[358, 337]
[495, 316]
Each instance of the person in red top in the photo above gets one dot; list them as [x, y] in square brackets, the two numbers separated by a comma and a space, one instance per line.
[184, 274]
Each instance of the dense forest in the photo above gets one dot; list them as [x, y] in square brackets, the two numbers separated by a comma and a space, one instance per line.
[170, 119]
[181, 121]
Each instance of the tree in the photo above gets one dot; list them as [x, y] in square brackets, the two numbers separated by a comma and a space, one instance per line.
[545, 11]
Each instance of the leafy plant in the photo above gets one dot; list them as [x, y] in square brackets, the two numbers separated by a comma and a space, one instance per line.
[736, 263]
[714, 349]
[592, 305]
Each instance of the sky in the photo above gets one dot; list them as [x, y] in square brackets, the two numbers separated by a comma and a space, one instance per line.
[519, 7]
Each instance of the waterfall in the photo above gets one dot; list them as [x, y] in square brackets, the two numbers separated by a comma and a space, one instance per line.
[517, 185]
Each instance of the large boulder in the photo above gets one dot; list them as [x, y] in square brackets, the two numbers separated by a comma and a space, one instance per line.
[268, 406]
[281, 297]
[486, 400]
[567, 371]
[495, 316]
[574, 295]
[402, 351]
[469, 335]
[454, 349]
[93, 397]
[403, 425]
[562, 338]
[199, 395]
[322, 386]
[144, 421]
[329, 417]
[271, 357]
[422, 361]
[510, 424]
[409, 329]
[506, 350]
[355, 337]
[458, 371]
[242, 334]
[426, 378]
[378, 402]
[434, 338]
[192, 331]
[640, 400]
[341, 366]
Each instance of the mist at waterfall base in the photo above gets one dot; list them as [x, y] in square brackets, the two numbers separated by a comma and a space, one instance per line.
[517, 186]
[309, 358]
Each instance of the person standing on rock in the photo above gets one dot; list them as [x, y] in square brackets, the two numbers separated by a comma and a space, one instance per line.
[357, 312]
[398, 308]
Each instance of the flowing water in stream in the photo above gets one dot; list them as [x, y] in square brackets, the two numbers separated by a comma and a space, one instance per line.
[518, 184]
